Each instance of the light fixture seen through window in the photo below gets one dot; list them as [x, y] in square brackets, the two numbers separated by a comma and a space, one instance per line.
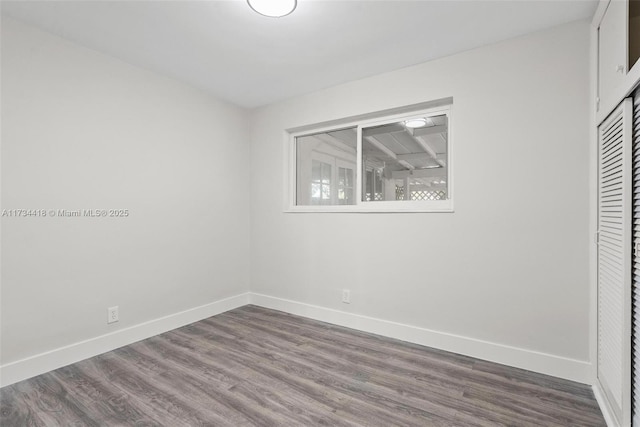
[273, 8]
[415, 123]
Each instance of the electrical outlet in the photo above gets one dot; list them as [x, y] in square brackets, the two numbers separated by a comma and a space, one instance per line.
[346, 296]
[112, 314]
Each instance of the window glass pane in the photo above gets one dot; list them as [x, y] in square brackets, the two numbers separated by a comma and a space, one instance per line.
[325, 168]
[345, 186]
[315, 171]
[406, 160]
[320, 183]
[326, 173]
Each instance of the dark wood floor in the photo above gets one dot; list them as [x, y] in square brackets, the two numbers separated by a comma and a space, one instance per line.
[258, 367]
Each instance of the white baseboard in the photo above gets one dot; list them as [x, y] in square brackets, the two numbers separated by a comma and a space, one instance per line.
[603, 402]
[571, 369]
[63, 356]
[575, 370]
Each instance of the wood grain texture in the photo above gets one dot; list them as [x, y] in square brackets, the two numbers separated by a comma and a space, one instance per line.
[257, 367]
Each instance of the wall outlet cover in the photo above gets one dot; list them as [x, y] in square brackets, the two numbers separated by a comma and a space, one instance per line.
[112, 314]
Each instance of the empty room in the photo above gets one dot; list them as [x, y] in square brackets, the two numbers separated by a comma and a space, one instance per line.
[320, 213]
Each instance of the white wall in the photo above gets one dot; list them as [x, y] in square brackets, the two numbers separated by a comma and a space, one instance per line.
[81, 130]
[510, 266]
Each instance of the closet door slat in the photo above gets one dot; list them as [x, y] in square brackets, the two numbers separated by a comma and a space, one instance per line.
[635, 288]
[615, 219]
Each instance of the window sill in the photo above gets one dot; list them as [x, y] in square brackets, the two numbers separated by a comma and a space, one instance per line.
[376, 207]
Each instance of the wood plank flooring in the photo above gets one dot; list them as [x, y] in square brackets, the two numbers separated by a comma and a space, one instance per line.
[258, 367]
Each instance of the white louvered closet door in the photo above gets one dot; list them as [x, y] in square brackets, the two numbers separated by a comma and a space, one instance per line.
[614, 260]
[635, 344]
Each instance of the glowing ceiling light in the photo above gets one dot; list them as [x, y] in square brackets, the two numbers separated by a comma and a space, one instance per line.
[415, 123]
[273, 8]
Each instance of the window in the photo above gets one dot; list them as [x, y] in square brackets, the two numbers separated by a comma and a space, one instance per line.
[345, 186]
[320, 183]
[389, 163]
[403, 163]
[325, 165]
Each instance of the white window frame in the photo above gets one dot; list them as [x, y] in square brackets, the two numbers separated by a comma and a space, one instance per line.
[371, 206]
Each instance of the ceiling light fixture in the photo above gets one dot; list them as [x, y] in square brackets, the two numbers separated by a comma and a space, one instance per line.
[273, 8]
[415, 123]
